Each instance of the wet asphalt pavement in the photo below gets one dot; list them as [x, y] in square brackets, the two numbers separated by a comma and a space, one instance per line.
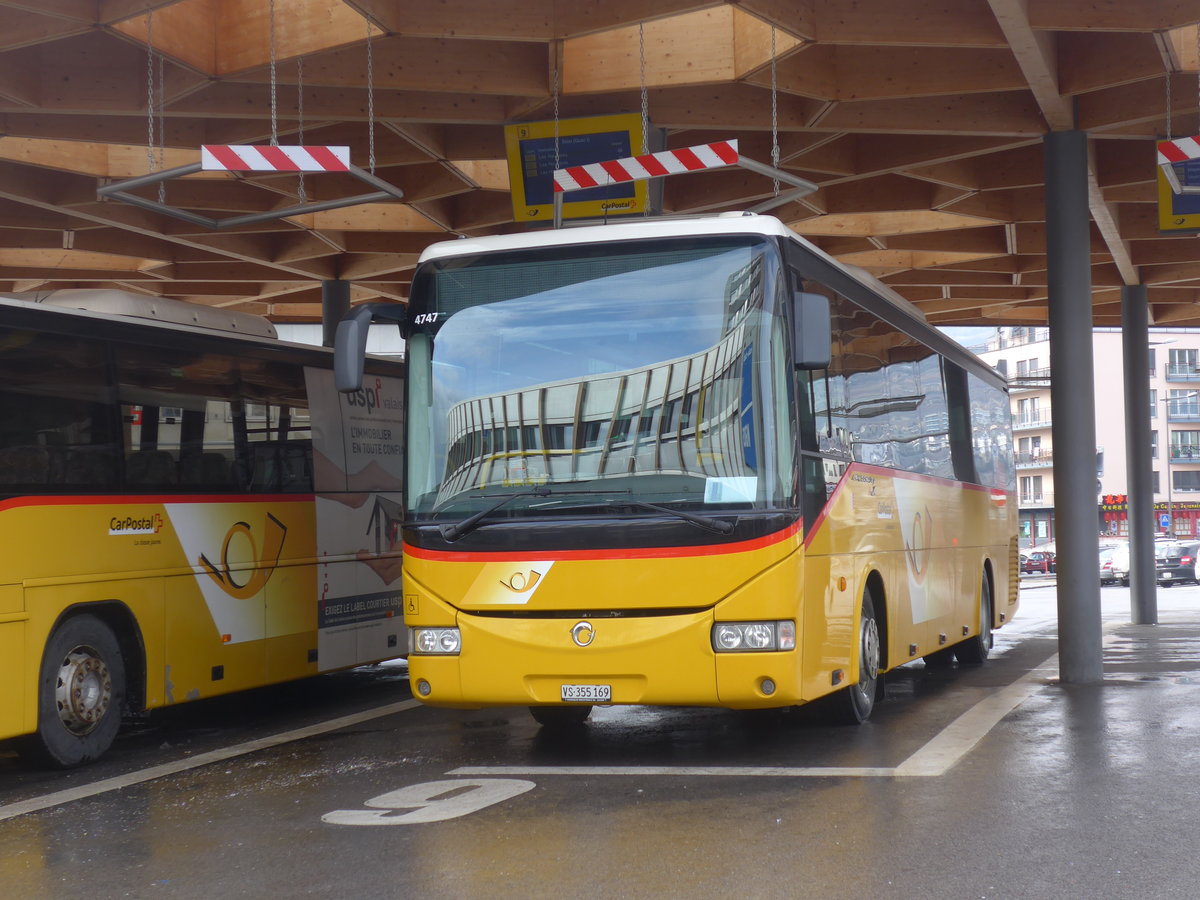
[992, 782]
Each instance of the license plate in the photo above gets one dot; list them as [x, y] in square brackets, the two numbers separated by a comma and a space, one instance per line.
[586, 693]
[1166, 575]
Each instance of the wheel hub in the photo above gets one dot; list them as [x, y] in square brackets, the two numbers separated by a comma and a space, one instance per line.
[869, 659]
[83, 692]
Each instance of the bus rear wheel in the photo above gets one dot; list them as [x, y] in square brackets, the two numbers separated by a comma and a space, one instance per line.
[853, 704]
[974, 650]
[81, 688]
[560, 716]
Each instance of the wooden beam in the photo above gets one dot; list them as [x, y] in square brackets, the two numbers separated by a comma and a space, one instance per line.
[425, 64]
[1010, 113]
[916, 23]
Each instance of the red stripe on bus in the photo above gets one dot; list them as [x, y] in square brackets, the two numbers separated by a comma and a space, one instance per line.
[894, 474]
[623, 553]
[143, 499]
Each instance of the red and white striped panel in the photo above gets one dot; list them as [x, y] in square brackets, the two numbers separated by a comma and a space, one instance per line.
[1177, 151]
[651, 165]
[268, 158]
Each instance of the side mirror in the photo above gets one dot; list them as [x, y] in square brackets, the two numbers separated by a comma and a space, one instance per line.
[813, 332]
[350, 351]
[350, 341]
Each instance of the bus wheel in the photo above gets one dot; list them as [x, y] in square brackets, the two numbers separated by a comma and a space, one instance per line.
[974, 650]
[853, 704]
[81, 688]
[560, 716]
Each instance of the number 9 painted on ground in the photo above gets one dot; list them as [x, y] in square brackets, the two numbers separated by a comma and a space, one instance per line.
[431, 801]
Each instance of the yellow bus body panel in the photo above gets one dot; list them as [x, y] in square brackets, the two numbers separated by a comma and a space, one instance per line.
[925, 542]
[75, 554]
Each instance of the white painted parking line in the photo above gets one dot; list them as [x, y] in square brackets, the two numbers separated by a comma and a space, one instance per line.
[35, 804]
[958, 738]
[739, 771]
[934, 758]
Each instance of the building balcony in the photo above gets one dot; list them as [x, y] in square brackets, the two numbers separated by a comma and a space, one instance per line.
[1183, 414]
[1034, 380]
[1182, 372]
[1025, 336]
[1184, 454]
[1039, 419]
[1042, 459]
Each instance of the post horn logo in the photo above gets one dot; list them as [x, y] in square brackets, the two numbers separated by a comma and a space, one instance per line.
[520, 583]
[256, 573]
[918, 555]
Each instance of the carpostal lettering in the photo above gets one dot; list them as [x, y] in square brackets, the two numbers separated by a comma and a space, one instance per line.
[149, 524]
[371, 398]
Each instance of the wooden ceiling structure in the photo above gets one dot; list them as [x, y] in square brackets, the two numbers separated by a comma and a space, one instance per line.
[922, 122]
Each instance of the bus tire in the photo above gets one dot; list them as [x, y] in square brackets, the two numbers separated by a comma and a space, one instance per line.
[852, 705]
[939, 659]
[560, 716]
[974, 650]
[81, 689]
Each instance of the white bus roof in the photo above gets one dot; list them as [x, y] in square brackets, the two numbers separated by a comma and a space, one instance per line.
[650, 228]
[625, 230]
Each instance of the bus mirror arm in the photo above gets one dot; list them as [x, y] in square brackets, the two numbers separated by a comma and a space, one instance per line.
[813, 330]
[350, 341]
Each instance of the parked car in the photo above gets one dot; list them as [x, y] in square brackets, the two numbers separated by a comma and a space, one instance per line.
[1106, 565]
[1119, 564]
[1038, 561]
[1120, 559]
[1176, 562]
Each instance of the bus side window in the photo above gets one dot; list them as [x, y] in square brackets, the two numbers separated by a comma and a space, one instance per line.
[57, 420]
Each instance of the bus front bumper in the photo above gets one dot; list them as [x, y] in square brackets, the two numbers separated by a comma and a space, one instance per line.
[652, 660]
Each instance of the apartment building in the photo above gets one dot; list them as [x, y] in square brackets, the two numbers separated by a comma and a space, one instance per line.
[1173, 380]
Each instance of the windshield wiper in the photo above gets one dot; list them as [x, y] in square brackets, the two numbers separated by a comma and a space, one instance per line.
[720, 526]
[452, 533]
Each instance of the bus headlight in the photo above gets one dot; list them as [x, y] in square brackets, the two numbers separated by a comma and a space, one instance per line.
[752, 637]
[443, 641]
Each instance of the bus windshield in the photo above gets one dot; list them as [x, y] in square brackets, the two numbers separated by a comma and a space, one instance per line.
[632, 369]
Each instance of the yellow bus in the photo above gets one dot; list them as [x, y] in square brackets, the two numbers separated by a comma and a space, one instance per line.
[689, 462]
[187, 507]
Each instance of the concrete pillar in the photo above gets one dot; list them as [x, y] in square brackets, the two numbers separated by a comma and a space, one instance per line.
[1135, 352]
[1077, 541]
[335, 303]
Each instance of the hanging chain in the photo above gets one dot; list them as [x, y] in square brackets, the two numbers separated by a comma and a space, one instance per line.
[774, 114]
[370, 100]
[557, 155]
[1169, 135]
[274, 111]
[151, 162]
[300, 114]
[642, 77]
[162, 125]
